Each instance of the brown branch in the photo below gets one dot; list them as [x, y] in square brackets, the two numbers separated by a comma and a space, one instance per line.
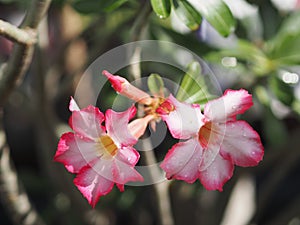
[12, 72]
[15, 34]
[161, 189]
[12, 193]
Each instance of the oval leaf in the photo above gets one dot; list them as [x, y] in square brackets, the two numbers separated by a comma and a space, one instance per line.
[162, 8]
[187, 14]
[156, 84]
[281, 90]
[96, 6]
[192, 87]
[216, 13]
[285, 46]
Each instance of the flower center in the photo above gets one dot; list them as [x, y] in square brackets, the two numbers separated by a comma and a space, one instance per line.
[204, 134]
[165, 108]
[108, 144]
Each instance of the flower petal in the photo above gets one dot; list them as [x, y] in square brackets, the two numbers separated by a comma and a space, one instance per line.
[119, 168]
[217, 174]
[73, 105]
[137, 127]
[229, 105]
[117, 126]
[75, 152]
[185, 120]
[123, 173]
[212, 143]
[91, 185]
[123, 86]
[87, 122]
[182, 161]
[128, 155]
[242, 144]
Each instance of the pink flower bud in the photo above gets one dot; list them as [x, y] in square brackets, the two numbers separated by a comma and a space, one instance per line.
[123, 87]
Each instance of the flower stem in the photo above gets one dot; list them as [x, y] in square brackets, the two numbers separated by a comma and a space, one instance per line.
[161, 189]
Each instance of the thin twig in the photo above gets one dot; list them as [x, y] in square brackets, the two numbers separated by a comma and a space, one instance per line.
[12, 193]
[15, 34]
[12, 72]
[47, 139]
[162, 188]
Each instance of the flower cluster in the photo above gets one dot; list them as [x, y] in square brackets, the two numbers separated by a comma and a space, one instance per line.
[100, 150]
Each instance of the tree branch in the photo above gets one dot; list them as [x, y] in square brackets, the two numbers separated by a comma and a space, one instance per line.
[12, 72]
[161, 189]
[15, 34]
[12, 192]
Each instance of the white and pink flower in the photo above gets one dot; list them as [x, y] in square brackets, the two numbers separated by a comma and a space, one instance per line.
[100, 155]
[215, 141]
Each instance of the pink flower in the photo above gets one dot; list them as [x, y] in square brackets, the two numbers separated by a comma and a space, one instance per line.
[122, 86]
[215, 140]
[101, 156]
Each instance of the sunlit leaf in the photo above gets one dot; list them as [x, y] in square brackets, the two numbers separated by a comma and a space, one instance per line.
[192, 87]
[281, 90]
[162, 8]
[285, 46]
[256, 59]
[96, 6]
[187, 14]
[156, 84]
[262, 95]
[216, 13]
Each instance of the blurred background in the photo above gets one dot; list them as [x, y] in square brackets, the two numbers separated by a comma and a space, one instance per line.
[255, 46]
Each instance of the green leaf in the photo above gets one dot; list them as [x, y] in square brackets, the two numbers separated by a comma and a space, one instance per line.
[281, 90]
[285, 46]
[96, 6]
[114, 5]
[256, 59]
[273, 129]
[192, 87]
[296, 106]
[187, 14]
[156, 84]
[216, 13]
[262, 95]
[162, 8]
[20, 4]
[7, 1]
